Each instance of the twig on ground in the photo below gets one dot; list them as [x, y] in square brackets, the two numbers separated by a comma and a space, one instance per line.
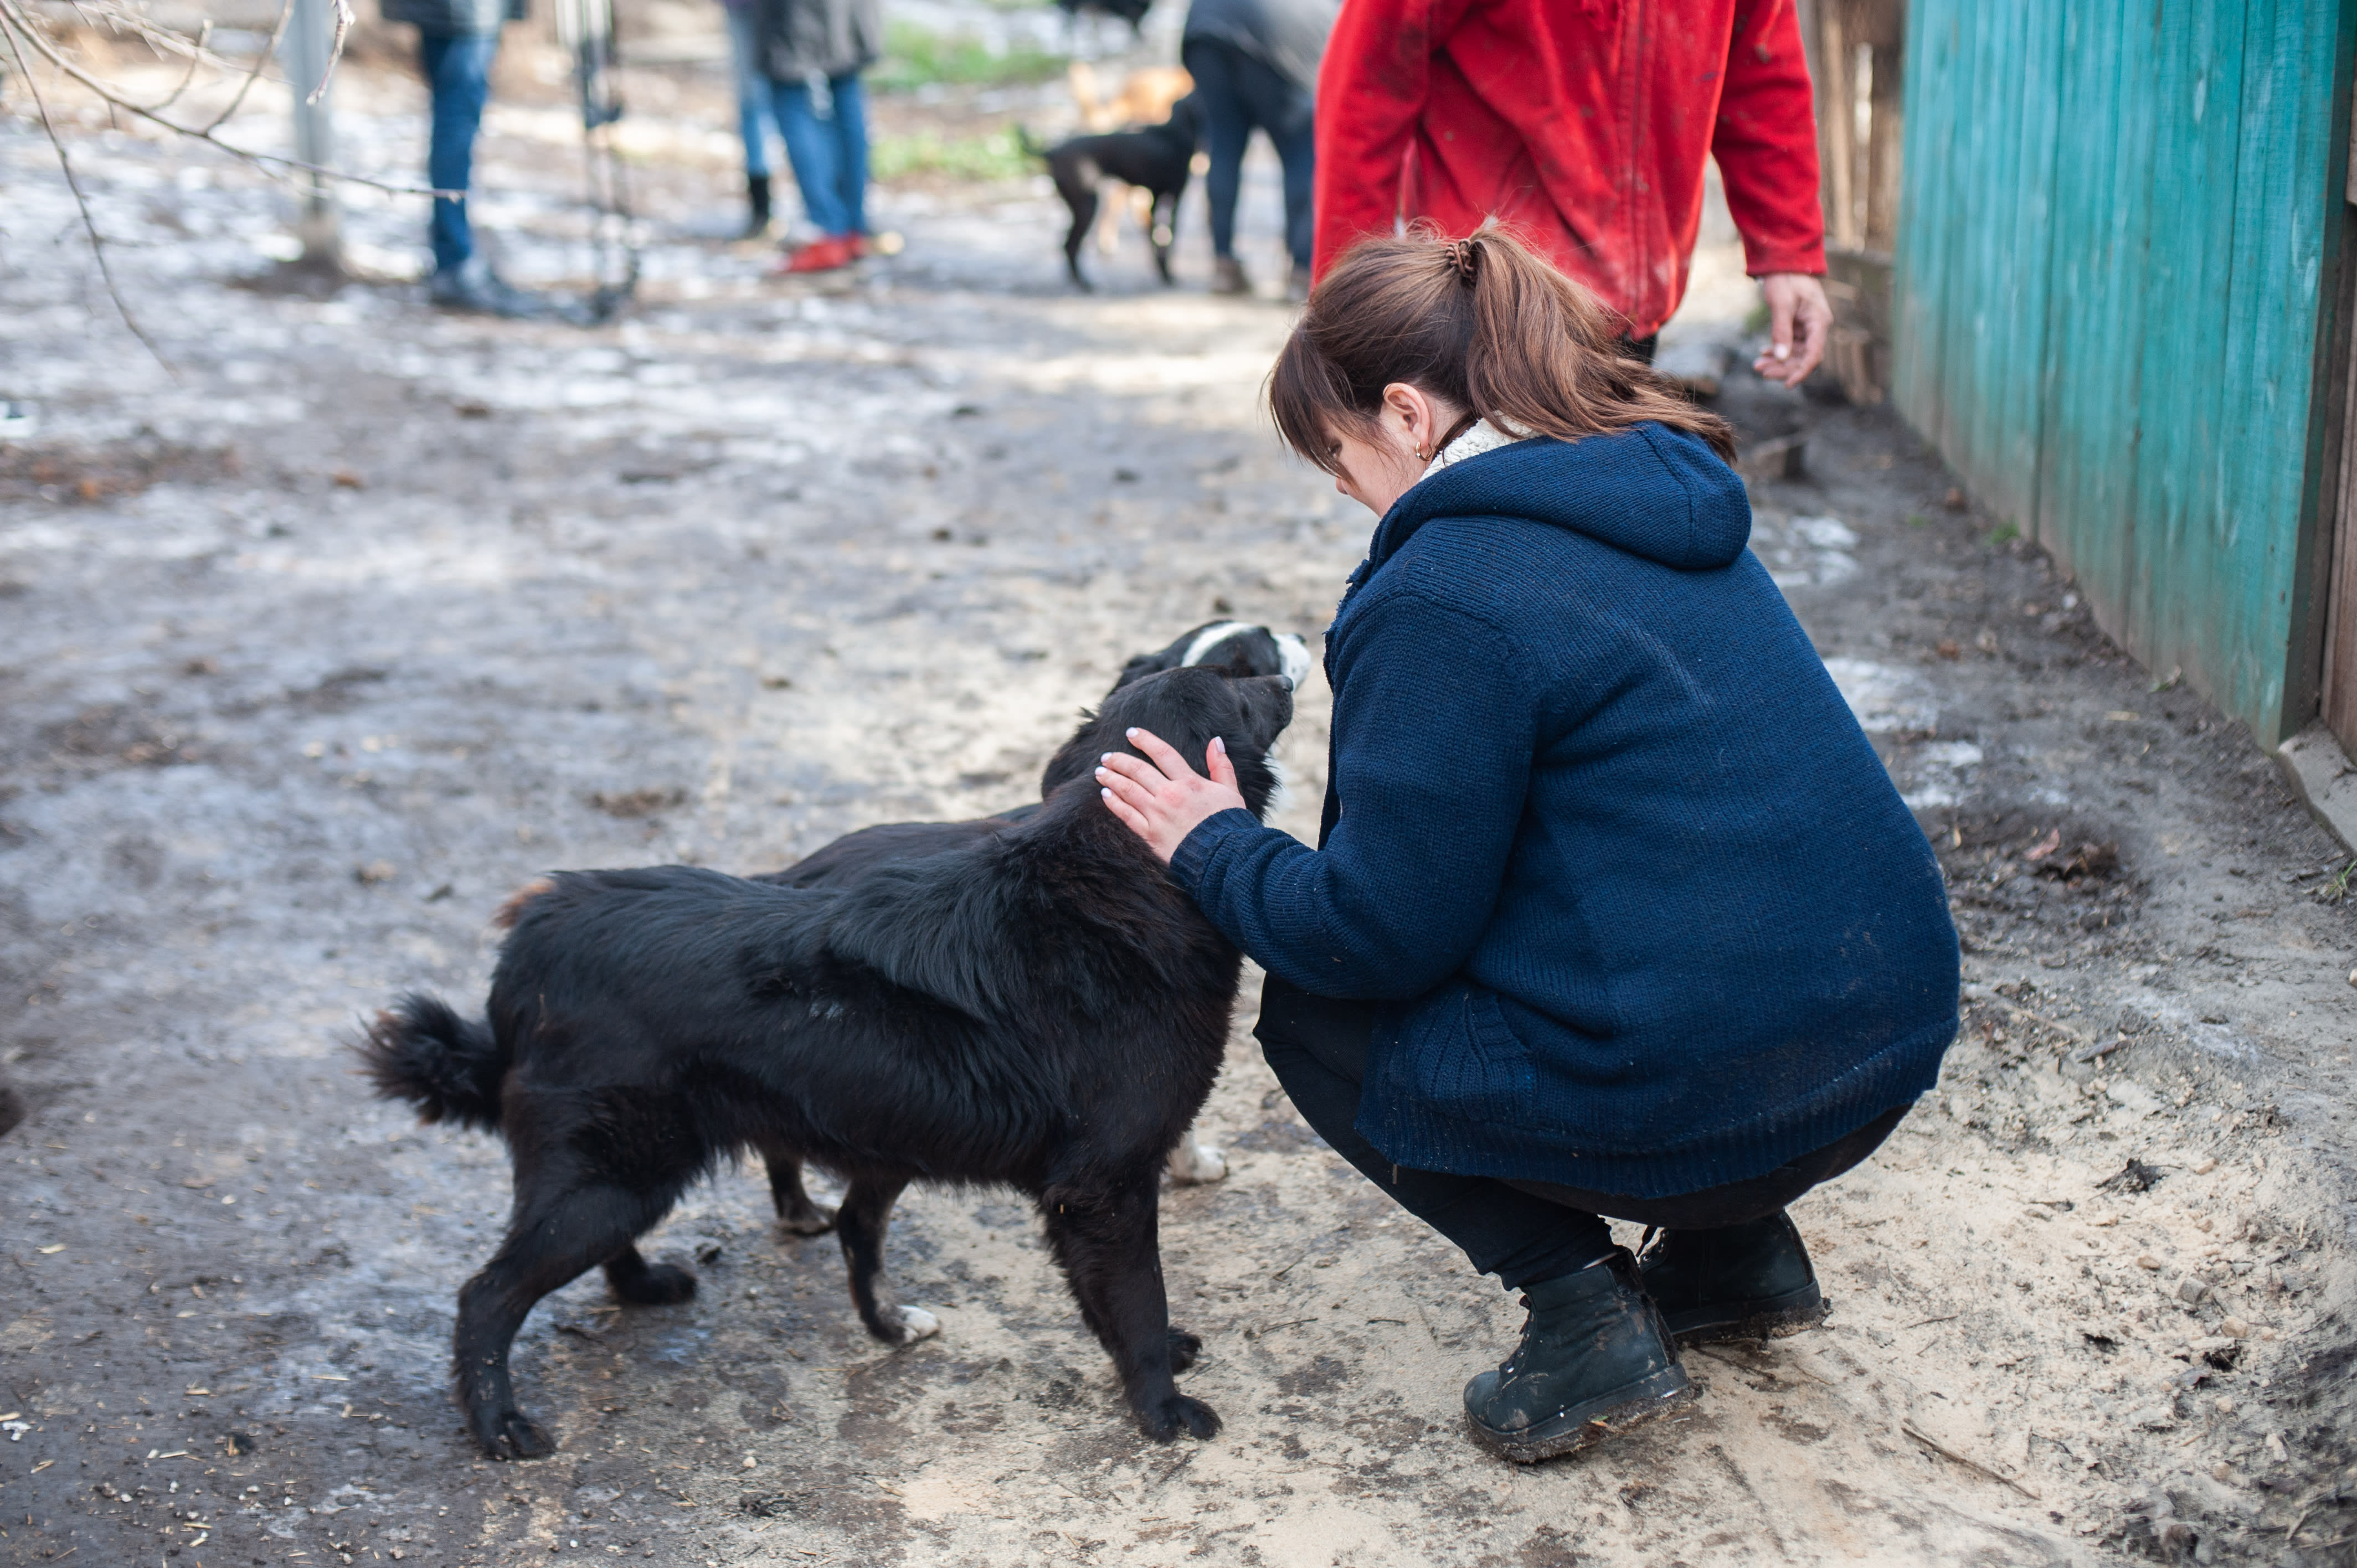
[81, 202]
[2021, 1012]
[2100, 1050]
[1974, 1466]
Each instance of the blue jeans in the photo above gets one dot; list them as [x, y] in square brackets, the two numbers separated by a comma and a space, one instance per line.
[458, 68]
[1239, 91]
[829, 154]
[753, 110]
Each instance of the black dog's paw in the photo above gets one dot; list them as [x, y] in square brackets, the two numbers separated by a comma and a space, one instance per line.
[509, 1436]
[813, 1219]
[1184, 1347]
[1163, 1418]
[661, 1284]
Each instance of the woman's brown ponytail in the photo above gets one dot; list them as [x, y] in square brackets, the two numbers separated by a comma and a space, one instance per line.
[1481, 321]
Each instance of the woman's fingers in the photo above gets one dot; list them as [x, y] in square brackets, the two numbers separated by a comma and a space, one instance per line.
[1128, 815]
[1135, 792]
[1216, 766]
[1129, 766]
[1166, 756]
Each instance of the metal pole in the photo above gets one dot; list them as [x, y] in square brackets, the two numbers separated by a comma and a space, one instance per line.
[305, 53]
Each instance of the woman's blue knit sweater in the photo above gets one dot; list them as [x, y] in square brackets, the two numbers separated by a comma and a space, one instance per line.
[1644, 910]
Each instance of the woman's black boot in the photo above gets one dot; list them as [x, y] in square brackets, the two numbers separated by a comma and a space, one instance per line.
[1595, 1361]
[1741, 1282]
[756, 201]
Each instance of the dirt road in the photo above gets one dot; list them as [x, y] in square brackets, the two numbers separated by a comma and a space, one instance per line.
[313, 651]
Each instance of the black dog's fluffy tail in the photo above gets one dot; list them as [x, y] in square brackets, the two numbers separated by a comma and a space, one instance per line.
[421, 1051]
[1032, 146]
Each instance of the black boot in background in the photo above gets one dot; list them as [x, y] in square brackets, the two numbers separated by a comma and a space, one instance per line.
[756, 200]
[1595, 1361]
[1744, 1281]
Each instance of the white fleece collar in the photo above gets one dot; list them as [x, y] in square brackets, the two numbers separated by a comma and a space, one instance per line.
[1484, 436]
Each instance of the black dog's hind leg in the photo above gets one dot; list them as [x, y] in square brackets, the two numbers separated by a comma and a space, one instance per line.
[551, 1240]
[860, 1224]
[634, 1279]
[1107, 1244]
[1162, 229]
[797, 1215]
[1081, 196]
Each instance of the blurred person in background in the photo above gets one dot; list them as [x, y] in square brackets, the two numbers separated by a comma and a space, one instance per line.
[1585, 128]
[812, 52]
[457, 41]
[754, 110]
[1255, 64]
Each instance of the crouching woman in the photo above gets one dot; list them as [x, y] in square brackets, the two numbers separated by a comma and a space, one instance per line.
[1613, 912]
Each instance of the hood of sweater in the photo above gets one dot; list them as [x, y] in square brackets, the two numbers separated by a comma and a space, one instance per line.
[1649, 490]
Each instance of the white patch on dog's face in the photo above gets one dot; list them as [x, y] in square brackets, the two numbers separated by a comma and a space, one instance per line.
[1211, 637]
[1293, 654]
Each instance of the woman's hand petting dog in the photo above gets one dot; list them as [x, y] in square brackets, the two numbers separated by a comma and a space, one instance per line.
[1162, 800]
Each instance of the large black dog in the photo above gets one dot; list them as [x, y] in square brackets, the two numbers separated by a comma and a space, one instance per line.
[1157, 159]
[1042, 1008]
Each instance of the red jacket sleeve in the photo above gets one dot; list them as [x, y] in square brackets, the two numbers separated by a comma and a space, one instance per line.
[1766, 141]
[1371, 93]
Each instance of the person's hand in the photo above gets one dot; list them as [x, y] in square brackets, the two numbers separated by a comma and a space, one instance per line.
[1799, 323]
[1162, 800]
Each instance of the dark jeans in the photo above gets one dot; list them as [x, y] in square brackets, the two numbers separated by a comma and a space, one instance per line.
[457, 68]
[1522, 1232]
[1238, 92]
[829, 151]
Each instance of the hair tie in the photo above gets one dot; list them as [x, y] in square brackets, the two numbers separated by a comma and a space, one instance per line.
[1463, 257]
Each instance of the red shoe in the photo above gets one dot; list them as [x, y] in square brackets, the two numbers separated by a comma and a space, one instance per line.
[823, 255]
[858, 246]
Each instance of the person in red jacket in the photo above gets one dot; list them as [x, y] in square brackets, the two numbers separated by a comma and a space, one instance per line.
[1583, 126]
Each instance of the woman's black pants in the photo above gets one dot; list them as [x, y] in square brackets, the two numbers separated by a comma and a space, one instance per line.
[1522, 1232]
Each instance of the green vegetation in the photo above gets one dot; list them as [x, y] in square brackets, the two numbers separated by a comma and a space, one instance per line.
[1917, 520]
[917, 57]
[2004, 533]
[998, 156]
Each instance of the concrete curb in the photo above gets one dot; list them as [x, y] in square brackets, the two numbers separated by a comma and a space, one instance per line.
[2323, 777]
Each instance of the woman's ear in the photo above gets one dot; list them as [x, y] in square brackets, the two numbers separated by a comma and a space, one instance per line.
[1408, 414]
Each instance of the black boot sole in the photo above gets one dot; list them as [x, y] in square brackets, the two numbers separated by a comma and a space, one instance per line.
[1771, 1317]
[1667, 1392]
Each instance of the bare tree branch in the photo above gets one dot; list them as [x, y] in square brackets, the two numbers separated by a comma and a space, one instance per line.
[12, 13]
[261, 58]
[89, 223]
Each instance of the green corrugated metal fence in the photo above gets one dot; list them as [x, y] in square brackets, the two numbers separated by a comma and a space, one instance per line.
[2117, 294]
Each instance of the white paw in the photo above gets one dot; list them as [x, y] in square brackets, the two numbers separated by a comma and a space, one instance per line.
[917, 1324]
[1193, 1164]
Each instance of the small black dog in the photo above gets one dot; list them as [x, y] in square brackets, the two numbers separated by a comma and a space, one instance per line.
[1235, 648]
[1042, 1008]
[1157, 159]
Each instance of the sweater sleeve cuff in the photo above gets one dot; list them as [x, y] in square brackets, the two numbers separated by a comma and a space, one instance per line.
[1760, 259]
[1198, 846]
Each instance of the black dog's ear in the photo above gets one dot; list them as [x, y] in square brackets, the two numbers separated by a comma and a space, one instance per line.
[1139, 666]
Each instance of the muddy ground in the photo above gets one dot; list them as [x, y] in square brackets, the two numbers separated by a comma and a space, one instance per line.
[313, 650]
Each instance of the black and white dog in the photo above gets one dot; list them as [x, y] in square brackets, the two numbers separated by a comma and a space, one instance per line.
[1237, 649]
[1157, 160]
[1042, 1007]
